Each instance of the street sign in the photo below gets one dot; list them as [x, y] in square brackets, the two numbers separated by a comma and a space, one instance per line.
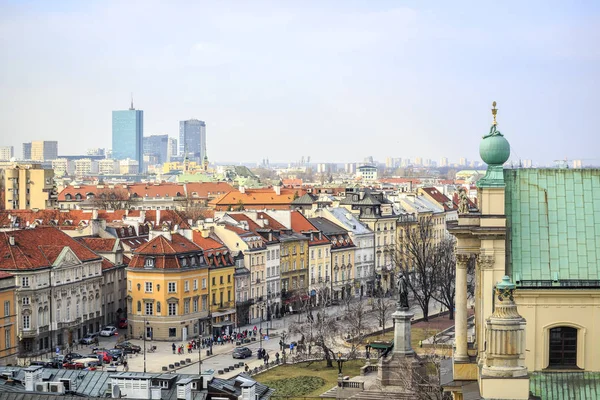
[266, 337]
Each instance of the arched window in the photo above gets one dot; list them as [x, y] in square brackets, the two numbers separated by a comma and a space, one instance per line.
[563, 347]
[158, 307]
[139, 306]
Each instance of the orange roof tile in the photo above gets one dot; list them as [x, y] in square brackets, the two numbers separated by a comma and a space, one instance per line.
[38, 248]
[208, 189]
[98, 244]
[257, 197]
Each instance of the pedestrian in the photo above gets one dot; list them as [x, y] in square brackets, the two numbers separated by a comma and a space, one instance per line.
[277, 357]
[125, 366]
[173, 346]
[265, 359]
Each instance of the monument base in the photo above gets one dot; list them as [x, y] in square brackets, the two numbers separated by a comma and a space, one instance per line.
[401, 371]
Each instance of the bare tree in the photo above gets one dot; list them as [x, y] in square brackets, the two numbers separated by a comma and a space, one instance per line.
[415, 258]
[111, 199]
[357, 322]
[445, 267]
[322, 330]
[383, 307]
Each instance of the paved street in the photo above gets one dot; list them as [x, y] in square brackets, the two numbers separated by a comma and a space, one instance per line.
[222, 354]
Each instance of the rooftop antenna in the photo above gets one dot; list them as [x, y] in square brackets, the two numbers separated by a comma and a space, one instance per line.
[131, 107]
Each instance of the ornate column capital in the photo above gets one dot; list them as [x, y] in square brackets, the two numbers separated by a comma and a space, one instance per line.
[485, 261]
[462, 260]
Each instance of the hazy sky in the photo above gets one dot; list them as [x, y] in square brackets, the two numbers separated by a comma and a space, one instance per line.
[336, 80]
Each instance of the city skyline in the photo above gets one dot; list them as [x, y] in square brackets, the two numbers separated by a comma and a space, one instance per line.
[415, 79]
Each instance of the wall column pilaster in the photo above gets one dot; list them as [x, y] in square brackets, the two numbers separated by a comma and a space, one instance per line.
[460, 340]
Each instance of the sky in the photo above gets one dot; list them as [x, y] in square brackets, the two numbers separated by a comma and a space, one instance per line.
[334, 80]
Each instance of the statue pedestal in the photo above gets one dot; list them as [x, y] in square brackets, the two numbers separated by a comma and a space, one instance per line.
[402, 333]
[401, 367]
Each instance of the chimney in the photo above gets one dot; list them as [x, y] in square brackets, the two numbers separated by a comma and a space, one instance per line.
[242, 189]
[277, 189]
[155, 392]
[157, 222]
[11, 240]
[143, 216]
[184, 389]
[94, 214]
[126, 212]
[248, 391]
[207, 376]
[33, 375]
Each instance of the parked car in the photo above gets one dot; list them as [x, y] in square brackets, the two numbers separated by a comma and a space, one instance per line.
[103, 356]
[57, 362]
[72, 356]
[41, 363]
[89, 338]
[108, 331]
[123, 323]
[242, 352]
[128, 348]
[88, 363]
[116, 353]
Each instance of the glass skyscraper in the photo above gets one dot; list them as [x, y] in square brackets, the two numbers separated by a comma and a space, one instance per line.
[128, 135]
[192, 139]
[157, 145]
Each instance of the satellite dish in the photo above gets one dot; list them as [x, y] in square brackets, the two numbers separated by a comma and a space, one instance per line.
[116, 392]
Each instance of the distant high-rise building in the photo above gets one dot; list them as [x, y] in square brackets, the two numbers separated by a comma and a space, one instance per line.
[577, 164]
[6, 152]
[97, 151]
[27, 151]
[392, 162]
[44, 150]
[350, 168]
[418, 161]
[192, 139]
[527, 163]
[171, 148]
[157, 146]
[443, 162]
[28, 186]
[462, 161]
[128, 134]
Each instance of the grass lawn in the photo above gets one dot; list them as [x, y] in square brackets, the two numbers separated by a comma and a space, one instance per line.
[317, 369]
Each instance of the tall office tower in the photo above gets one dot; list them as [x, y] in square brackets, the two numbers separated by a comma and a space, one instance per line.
[128, 134]
[28, 186]
[463, 161]
[96, 151]
[171, 148]
[444, 162]
[6, 153]
[44, 150]
[192, 139]
[418, 160]
[27, 151]
[157, 145]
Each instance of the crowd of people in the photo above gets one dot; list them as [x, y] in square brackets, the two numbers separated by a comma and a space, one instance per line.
[217, 340]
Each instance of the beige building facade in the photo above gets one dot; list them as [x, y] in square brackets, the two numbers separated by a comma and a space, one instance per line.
[29, 186]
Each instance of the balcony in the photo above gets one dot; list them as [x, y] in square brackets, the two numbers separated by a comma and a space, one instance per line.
[257, 281]
[44, 329]
[224, 305]
[28, 333]
[259, 298]
[244, 303]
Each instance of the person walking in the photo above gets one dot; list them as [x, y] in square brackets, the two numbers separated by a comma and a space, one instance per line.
[173, 346]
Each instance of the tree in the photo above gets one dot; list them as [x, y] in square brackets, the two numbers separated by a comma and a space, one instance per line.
[356, 322]
[383, 307]
[415, 257]
[111, 199]
[445, 267]
[322, 330]
[240, 206]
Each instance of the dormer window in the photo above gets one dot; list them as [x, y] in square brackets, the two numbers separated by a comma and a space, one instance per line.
[149, 262]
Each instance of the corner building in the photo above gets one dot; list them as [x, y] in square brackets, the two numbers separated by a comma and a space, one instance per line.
[167, 288]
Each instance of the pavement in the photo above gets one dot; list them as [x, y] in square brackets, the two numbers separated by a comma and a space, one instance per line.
[221, 358]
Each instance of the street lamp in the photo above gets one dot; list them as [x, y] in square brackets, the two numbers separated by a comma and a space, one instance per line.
[199, 353]
[269, 314]
[262, 309]
[340, 362]
[145, 333]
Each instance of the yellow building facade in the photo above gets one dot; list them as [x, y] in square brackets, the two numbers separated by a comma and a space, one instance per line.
[29, 186]
[8, 322]
[168, 289]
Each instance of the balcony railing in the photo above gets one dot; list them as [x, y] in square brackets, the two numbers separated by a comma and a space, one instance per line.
[28, 333]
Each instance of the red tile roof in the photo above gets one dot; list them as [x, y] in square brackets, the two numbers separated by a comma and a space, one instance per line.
[106, 264]
[439, 197]
[38, 248]
[103, 245]
[4, 275]
[207, 189]
[257, 198]
[271, 222]
[301, 224]
[215, 252]
[59, 218]
[166, 253]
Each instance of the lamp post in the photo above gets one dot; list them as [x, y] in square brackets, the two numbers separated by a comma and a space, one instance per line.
[199, 353]
[269, 313]
[144, 333]
[262, 309]
[340, 362]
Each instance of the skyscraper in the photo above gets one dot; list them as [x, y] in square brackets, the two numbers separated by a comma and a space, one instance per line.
[128, 134]
[157, 145]
[192, 139]
[171, 148]
[27, 151]
[6, 152]
[44, 150]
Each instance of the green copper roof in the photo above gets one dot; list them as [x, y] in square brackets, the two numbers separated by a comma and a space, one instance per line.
[553, 224]
[565, 385]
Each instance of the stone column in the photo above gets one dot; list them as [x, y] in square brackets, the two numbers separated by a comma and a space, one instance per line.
[460, 324]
